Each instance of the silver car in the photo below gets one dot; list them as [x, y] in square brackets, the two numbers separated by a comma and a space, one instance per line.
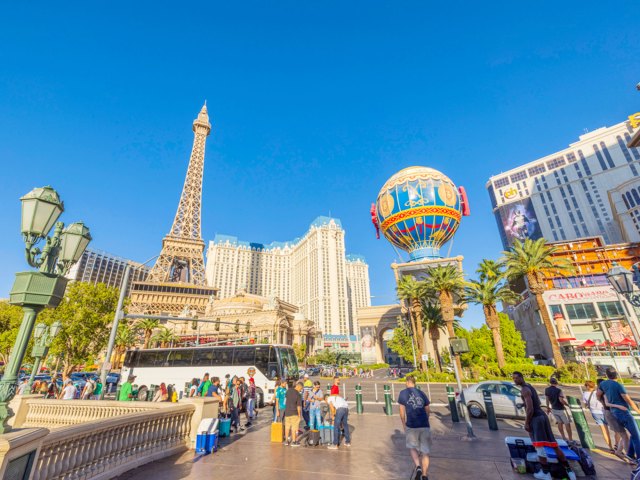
[507, 399]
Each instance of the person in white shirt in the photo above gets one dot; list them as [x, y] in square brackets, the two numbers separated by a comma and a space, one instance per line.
[69, 391]
[24, 387]
[340, 413]
[88, 389]
[590, 401]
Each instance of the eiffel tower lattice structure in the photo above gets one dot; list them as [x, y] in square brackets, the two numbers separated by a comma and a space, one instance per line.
[177, 280]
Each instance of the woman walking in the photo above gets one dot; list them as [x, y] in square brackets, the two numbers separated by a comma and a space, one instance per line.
[590, 401]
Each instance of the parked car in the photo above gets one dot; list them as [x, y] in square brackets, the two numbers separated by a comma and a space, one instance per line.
[507, 399]
[602, 370]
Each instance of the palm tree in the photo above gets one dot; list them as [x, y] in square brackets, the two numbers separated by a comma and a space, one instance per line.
[147, 326]
[531, 260]
[125, 338]
[164, 337]
[488, 292]
[490, 269]
[412, 291]
[433, 322]
[448, 283]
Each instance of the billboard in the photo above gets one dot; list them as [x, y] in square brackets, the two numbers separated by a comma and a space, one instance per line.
[368, 345]
[518, 221]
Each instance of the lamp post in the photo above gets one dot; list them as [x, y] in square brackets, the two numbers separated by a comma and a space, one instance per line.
[43, 336]
[37, 289]
[621, 280]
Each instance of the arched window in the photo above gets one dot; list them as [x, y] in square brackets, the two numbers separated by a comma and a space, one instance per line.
[629, 200]
[636, 196]
[626, 203]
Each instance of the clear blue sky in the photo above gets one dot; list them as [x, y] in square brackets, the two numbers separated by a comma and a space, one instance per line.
[313, 107]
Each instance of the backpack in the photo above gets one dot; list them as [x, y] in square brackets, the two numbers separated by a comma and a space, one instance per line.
[586, 462]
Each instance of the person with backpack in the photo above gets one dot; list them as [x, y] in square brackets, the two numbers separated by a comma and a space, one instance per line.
[590, 401]
[235, 404]
[315, 398]
[414, 414]
[556, 407]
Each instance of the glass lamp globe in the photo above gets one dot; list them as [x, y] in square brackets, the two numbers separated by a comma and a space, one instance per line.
[75, 239]
[41, 207]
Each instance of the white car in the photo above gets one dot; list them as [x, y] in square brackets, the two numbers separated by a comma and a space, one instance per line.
[507, 399]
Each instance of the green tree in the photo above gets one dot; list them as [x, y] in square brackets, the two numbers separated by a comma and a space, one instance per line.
[447, 282]
[490, 269]
[126, 337]
[147, 326]
[85, 313]
[10, 320]
[326, 357]
[488, 292]
[413, 292]
[300, 350]
[531, 260]
[515, 348]
[401, 342]
[164, 337]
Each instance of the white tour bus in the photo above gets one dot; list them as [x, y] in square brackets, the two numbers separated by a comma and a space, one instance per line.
[177, 366]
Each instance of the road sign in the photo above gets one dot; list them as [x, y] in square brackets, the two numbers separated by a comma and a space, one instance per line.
[425, 357]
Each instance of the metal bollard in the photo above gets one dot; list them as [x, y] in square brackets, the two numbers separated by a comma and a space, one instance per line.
[452, 405]
[388, 406]
[118, 392]
[491, 413]
[359, 407]
[328, 389]
[581, 422]
[375, 387]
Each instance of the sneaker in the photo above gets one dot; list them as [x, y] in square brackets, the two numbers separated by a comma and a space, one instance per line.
[248, 424]
[295, 444]
[424, 477]
[347, 444]
[418, 475]
[540, 475]
[332, 447]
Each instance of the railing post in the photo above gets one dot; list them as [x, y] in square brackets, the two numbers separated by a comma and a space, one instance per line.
[388, 406]
[491, 413]
[581, 422]
[451, 396]
[359, 407]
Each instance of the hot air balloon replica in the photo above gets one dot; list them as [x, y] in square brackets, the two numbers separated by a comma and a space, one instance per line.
[419, 210]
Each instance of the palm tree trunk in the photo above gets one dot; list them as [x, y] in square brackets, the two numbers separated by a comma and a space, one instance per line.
[416, 308]
[537, 288]
[446, 306]
[435, 336]
[147, 338]
[493, 322]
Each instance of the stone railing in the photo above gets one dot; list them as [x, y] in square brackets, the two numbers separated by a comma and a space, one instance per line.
[107, 448]
[51, 414]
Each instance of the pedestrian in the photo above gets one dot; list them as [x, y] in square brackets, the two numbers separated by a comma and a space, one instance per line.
[126, 390]
[214, 389]
[193, 388]
[556, 407]
[52, 391]
[293, 413]
[335, 388]
[307, 387]
[69, 391]
[620, 435]
[414, 414]
[235, 404]
[203, 388]
[24, 387]
[615, 396]
[251, 398]
[315, 399]
[539, 428]
[340, 413]
[88, 389]
[162, 394]
[590, 401]
[97, 391]
[44, 387]
[244, 396]
[280, 401]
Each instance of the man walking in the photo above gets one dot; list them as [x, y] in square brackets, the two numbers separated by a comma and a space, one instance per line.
[615, 396]
[126, 390]
[556, 406]
[414, 414]
[293, 414]
[340, 413]
[203, 388]
[539, 428]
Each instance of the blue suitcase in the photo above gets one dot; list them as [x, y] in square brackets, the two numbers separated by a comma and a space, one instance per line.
[326, 434]
[225, 427]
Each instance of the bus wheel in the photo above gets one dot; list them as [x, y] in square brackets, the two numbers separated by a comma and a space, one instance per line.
[142, 393]
[260, 399]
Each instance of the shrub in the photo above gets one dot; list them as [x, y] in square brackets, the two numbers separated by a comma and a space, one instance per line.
[374, 366]
[434, 376]
[574, 372]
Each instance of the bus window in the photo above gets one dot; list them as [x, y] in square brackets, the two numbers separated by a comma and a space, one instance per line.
[131, 359]
[202, 357]
[222, 357]
[274, 364]
[262, 360]
[288, 363]
[180, 358]
[244, 356]
[152, 358]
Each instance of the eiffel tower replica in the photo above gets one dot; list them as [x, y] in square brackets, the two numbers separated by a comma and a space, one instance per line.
[177, 280]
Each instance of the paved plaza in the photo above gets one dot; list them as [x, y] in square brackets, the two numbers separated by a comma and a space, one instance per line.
[378, 452]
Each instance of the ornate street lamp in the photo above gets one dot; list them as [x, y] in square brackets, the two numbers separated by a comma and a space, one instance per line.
[37, 289]
[621, 280]
[43, 336]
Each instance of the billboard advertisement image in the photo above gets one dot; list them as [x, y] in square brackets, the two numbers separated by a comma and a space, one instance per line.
[518, 221]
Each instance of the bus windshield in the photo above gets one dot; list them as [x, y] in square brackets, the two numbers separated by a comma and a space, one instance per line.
[288, 363]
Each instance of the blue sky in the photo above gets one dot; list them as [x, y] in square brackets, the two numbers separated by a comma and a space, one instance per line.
[313, 106]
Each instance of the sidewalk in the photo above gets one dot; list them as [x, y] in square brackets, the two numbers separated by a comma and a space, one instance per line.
[378, 452]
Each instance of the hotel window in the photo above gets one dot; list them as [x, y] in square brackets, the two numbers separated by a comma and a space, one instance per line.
[571, 157]
[556, 162]
[600, 157]
[537, 170]
[501, 182]
[580, 311]
[610, 309]
[607, 155]
[516, 177]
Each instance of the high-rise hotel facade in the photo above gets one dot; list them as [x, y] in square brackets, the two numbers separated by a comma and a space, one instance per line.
[590, 189]
[312, 272]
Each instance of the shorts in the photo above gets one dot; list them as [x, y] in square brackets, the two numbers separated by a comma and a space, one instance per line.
[419, 439]
[291, 424]
[599, 418]
[613, 422]
[541, 434]
[561, 417]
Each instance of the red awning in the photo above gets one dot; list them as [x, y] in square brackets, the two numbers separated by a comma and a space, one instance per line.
[588, 344]
[627, 342]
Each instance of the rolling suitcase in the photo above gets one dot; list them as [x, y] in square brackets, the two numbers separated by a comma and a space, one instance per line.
[277, 432]
[326, 434]
[225, 427]
[314, 438]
